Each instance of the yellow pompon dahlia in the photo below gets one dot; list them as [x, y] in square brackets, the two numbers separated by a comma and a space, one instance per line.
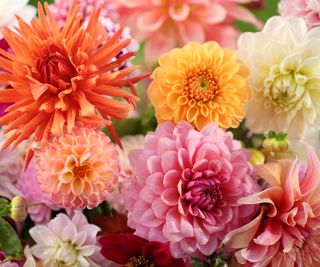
[200, 84]
[78, 169]
[60, 76]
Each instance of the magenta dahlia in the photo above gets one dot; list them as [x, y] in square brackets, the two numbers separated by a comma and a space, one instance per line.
[185, 188]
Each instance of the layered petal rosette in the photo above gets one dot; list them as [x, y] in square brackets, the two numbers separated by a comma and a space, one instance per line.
[284, 64]
[286, 233]
[78, 169]
[200, 83]
[185, 188]
[67, 242]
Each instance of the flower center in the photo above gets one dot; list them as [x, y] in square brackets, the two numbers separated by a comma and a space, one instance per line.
[284, 88]
[65, 255]
[203, 193]
[139, 261]
[80, 171]
[201, 86]
[56, 69]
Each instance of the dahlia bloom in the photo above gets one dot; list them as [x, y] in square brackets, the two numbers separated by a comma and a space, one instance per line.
[132, 250]
[209, 86]
[63, 76]
[108, 17]
[129, 143]
[309, 10]
[286, 233]
[28, 185]
[165, 24]
[185, 188]
[10, 168]
[10, 8]
[60, 9]
[67, 242]
[78, 169]
[284, 68]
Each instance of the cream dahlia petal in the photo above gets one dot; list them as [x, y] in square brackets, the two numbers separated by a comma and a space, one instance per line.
[283, 65]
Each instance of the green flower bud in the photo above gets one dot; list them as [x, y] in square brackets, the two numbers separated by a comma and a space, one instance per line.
[19, 209]
[257, 156]
[276, 143]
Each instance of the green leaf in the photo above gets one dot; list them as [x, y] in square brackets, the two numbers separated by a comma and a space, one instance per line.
[219, 263]
[35, 2]
[9, 240]
[4, 207]
[198, 263]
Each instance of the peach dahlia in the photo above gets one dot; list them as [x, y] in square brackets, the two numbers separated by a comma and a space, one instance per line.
[60, 76]
[200, 84]
[78, 169]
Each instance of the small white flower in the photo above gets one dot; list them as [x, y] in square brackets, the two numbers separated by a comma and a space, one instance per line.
[284, 62]
[67, 242]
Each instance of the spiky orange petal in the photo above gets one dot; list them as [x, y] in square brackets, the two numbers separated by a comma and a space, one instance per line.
[63, 76]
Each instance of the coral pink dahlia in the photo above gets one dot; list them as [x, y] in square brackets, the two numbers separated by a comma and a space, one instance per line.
[78, 169]
[166, 24]
[286, 233]
[185, 188]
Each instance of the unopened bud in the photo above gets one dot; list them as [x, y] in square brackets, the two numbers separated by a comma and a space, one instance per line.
[19, 209]
[257, 156]
[276, 143]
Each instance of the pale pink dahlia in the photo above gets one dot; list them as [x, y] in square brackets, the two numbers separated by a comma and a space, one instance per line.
[10, 168]
[307, 9]
[29, 186]
[286, 233]
[165, 24]
[67, 242]
[129, 143]
[185, 188]
[78, 169]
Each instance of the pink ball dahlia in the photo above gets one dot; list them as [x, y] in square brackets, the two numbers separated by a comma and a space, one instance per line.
[307, 9]
[286, 233]
[29, 186]
[78, 169]
[185, 188]
[60, 9]
[165, 24]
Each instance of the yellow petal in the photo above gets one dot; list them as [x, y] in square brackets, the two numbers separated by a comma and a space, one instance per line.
[192, 113]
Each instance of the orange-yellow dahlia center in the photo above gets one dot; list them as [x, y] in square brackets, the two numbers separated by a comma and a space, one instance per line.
[139, 261]
[201, 86]
[80, 171]
[56, 69]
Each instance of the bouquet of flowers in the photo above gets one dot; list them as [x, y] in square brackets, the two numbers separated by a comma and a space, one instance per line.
[153, 133]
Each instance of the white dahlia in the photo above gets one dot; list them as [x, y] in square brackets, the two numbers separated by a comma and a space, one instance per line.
[284, 62]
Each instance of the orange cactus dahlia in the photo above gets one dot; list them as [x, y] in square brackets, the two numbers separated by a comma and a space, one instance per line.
[62, 76]
[200, 84]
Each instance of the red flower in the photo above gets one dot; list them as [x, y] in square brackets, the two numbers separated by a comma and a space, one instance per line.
[133, 251]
